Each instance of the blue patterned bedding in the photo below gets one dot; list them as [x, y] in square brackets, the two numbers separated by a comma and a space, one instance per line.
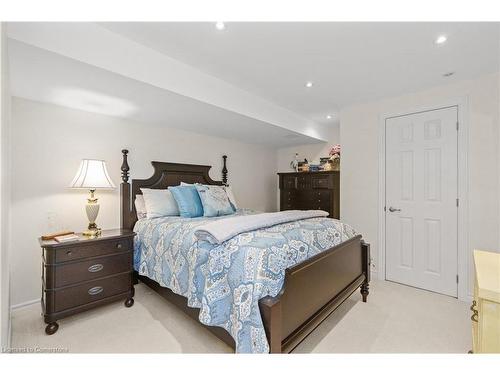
[226, 281]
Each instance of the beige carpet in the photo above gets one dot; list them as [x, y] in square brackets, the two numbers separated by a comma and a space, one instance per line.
[396, 319]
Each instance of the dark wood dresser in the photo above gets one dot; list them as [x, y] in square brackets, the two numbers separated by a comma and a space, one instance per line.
[310, 191]
[80, 275]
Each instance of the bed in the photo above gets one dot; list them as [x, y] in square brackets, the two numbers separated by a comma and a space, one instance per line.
[288, 303]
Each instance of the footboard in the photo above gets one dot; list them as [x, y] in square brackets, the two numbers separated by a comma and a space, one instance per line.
[313, 290]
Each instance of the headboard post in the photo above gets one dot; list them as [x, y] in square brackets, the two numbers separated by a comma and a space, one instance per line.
[125, 168]
[125, 219]
[224, 170]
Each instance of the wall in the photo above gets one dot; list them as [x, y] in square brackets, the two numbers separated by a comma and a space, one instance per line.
[359, 127]
[49, 143]
[310, 152]
[4, 193]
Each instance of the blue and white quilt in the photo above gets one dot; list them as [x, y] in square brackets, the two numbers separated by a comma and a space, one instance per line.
[226, 281]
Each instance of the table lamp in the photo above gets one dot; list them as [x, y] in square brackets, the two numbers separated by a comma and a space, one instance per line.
[92, 175]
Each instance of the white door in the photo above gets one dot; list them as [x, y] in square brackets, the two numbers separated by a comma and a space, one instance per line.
[421, 200]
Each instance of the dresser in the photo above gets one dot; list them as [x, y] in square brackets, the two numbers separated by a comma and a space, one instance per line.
[83, 274]
[486, 304]
[310, 191]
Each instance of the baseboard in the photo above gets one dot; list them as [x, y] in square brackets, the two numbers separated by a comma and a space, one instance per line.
[24, 304]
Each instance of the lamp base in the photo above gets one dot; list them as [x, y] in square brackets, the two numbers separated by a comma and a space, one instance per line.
[96, 232]
[92, 209]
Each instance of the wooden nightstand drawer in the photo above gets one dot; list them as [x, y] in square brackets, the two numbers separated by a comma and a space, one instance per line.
[95, 248]
[89, 292]
[89, 269]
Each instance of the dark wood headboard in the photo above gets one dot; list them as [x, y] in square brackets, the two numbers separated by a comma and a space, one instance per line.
[164, 175]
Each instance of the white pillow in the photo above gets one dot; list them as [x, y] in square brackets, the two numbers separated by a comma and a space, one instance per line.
[140, 206]
[231, 197]
[159, 202]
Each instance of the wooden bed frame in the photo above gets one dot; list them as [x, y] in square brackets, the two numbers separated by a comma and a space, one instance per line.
[312, 289]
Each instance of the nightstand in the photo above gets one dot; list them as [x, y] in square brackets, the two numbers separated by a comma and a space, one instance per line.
[80, 275]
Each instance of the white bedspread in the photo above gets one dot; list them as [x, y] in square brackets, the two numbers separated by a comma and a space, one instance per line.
[219, 231]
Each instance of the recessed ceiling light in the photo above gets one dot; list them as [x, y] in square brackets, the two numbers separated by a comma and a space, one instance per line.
[441, 39]
[220, 25]
[329, 117]
[309, 84]
[449, 74]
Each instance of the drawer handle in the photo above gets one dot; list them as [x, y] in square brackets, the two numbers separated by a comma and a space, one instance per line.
[119, 246]
[475, 313]
[95, 267]
[68, 252]
[95, 290]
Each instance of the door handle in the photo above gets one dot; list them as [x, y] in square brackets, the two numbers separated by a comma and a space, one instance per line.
[392, 209]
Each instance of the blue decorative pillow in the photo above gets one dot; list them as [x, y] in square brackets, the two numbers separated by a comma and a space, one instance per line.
[214, 200]
[188, 200]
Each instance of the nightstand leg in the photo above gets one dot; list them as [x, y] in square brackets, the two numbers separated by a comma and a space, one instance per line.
[51, 328]
[129, 302]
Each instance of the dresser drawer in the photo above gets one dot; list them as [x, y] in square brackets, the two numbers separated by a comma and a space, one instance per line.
[288, 197]
[322, 182]
[288, 206]
[289, 182]
[321, 195]
[79, 251]
[91, 291]
[303, 182]
[88, 269]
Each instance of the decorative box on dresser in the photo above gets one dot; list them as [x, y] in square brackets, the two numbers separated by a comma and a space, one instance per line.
[310, 191]
[486, 304]
[83, 274]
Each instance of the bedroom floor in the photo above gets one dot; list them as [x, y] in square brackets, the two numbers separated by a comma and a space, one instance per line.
[396, 319]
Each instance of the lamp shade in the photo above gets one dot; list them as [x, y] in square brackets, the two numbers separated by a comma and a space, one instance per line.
[92, 174]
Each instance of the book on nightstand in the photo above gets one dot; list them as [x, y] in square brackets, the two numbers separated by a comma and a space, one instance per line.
[66, 238]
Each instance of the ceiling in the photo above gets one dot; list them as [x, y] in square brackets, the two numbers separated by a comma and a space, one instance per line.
[347, 62]
[44, 76]
[246, 82]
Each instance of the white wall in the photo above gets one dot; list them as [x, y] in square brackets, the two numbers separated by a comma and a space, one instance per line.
[48, 144]
[310, 152]
[4, 193]
[359, 127]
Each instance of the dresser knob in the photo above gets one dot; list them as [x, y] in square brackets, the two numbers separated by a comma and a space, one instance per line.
[68, 252]
[119, 246]
[95, 290]
[96, 267]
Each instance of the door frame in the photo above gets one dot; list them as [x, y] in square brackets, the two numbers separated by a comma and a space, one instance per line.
[463, 254]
